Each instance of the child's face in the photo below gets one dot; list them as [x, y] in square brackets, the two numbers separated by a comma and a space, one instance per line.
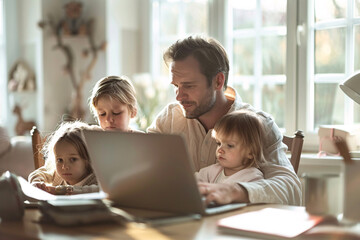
[231, 153]
[113, 115]
[69, 165]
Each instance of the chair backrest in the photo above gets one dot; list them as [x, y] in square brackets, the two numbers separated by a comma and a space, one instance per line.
[37, 143]
[295, 144]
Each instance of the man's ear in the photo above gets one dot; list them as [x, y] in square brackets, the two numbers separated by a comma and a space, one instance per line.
[219, 81]
[133, 113]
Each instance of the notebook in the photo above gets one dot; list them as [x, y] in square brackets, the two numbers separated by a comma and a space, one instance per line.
[148, 172]
[272, 223]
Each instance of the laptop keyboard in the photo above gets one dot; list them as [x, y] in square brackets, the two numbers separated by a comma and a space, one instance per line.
[212, 205]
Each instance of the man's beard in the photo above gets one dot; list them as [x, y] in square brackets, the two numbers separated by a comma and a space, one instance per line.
[204, 107]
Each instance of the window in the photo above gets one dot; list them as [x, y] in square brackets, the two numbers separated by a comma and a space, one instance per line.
[286, 57]
[257, 53]
[172, 20]
[332, 54]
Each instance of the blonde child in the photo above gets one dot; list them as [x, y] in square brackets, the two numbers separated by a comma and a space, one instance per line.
[113, 103]
[67, 169]
[239, 136]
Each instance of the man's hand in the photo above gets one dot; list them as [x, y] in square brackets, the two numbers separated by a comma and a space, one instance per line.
[223, 193]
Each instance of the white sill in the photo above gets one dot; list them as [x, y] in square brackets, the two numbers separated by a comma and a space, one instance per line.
[312, 163]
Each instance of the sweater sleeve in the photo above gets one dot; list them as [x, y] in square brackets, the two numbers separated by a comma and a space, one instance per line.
[87, 185]
[85, 189]
[43, 174]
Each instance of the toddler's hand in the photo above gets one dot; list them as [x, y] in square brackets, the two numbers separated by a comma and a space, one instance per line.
[43, 186]
[40, 185]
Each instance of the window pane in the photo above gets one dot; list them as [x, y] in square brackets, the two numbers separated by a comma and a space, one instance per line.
[274, 12]
[273, 102]
[328, 10]
[357, 8]
[245, 90]
[329, 107]
[356, 113]
[169, 16]
[196, 17]
[1, 19]
[244, 13]
[243, 56]
[164, 69]
[330, 50]
[357, 48]
[274, 55]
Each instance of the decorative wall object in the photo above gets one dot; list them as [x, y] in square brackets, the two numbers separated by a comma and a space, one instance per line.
[21, 78]
[74, 25]
[22, 127]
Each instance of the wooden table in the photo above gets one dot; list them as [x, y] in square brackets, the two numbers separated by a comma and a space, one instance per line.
[30, 228]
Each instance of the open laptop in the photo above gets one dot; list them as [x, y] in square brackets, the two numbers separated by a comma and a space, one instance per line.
[148, 172]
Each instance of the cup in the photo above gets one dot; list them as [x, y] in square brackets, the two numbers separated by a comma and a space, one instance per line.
[322, 194]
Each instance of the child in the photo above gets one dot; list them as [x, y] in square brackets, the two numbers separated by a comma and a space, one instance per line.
[239, 136]
[113, 103]
[67, 169]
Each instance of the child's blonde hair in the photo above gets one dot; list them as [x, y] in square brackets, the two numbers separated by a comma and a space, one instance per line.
[247, 126]
[119, 88]
[69, 132]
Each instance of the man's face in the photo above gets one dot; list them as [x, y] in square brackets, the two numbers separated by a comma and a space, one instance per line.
[192, 90]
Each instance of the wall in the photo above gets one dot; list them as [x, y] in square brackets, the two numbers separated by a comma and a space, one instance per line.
[21, 44]
[119, 22]
[57, 84]
[124, 34]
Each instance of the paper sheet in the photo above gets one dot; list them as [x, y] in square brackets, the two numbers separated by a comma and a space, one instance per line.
[35, 194]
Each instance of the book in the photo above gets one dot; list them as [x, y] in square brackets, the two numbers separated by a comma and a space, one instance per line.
[271, 223]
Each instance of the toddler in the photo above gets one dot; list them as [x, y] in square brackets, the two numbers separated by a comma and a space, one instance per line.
[239, 137]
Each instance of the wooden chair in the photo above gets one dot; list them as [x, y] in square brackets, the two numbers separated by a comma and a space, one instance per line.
[37, 143]
[295, 144]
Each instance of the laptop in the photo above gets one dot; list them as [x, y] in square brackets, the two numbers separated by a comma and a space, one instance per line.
[151, 172]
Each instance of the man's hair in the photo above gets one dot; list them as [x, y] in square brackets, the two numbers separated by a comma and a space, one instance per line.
[210, 54]
[247, 126]
[118, 88]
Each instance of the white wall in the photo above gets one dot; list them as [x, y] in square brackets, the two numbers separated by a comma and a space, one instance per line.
[58, 88]
[118, 22]
[20, 45]
[123, 32]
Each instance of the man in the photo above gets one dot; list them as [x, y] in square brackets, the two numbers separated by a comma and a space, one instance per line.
[199, 71]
